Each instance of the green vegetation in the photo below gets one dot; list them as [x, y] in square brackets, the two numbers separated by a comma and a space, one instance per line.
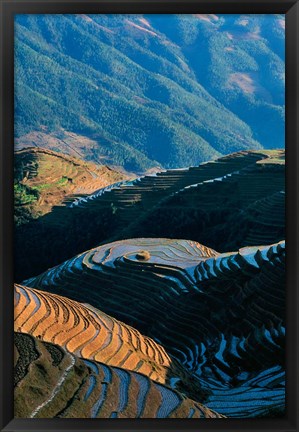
[24, 198]
[24, 195]
[63, 181]
[41, 186]
[149, 100]
[44, 179]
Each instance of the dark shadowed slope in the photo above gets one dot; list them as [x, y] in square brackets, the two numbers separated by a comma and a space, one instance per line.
[137, 208]
[242, 208]
[49, 382]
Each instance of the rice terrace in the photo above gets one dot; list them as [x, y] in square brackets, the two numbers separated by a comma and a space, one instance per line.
[149, 216]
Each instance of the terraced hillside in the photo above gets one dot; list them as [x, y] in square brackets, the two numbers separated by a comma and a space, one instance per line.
[220, 315]
[241, 208]
[178, 310]
[49, 382]
[43, 178]
[154, 204]
[91, 334]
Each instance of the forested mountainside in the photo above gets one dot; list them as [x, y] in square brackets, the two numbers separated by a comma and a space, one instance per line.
[149, 91]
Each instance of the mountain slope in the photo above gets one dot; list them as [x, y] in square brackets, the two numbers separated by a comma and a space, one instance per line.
[43, 178]
[209, 212]
[220, 315]
[51, 383]
[89, 333]
[151, 90]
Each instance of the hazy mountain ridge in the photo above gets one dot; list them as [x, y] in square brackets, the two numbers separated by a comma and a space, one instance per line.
[153, 94]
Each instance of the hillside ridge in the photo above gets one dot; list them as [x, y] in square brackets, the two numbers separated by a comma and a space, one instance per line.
[43, 178]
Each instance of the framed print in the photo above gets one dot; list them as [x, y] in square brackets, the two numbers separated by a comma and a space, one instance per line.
[149, 215]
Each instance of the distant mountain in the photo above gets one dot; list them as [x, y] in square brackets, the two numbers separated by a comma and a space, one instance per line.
[152, 90]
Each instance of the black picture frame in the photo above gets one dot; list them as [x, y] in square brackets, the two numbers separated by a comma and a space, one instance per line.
[10, 7]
